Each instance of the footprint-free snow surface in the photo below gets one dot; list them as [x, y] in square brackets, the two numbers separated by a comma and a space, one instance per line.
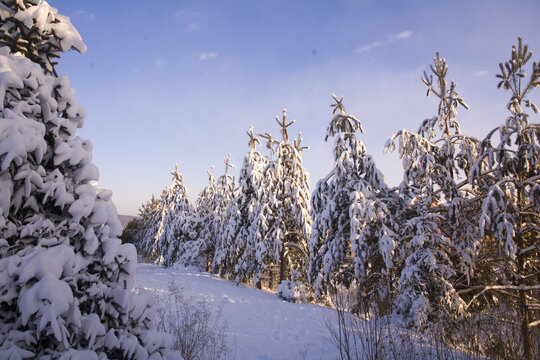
[261, 325]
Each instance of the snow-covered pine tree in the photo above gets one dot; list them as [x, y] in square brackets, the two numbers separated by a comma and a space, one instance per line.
[224, 209]
[354, 233]
[283, 217]
[169, 196]
[257, 255]
[507, 174]
[196, 252]
[212, 204]
[176, 224]
[174, 203]
[238, 241]
[65, 277]
[147, 226]
[439, 221]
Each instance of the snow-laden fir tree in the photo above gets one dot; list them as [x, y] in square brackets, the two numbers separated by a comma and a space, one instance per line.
[353, 237]
[198, 252]
[147, 225]
[177, 223]
[211, 207]
[237, 257]
[170, 196]
[283, 217]
[65, 277]
[507, 174]
[223, 209]
[439, 224]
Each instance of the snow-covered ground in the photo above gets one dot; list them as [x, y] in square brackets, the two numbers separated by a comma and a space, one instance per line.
[261, 325]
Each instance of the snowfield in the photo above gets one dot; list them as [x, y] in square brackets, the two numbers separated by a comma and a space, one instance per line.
[261, 325]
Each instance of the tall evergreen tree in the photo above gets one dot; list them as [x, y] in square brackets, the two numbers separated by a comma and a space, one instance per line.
[438, 225]
[65, 277]
[147, 225]
[223, 226]
[176, 211]
[199, 250]
[169, 197]
[212, 204]
[177, 224]
[507, 174]
[238, 240]
[354, 236]
[284, 208]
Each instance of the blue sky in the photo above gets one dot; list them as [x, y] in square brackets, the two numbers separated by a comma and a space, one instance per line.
[167, 82]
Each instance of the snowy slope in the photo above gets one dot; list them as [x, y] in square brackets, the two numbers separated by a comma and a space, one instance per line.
[261, 325]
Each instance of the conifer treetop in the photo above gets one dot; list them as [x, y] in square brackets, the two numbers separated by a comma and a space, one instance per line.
[449, 98]
[512, 77]
[176, 174]
[284, 125]
[342, 122]
[253, 139]
[210, 173]
[228, 164]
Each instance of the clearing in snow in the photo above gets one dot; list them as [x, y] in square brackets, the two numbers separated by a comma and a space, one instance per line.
[261, 325]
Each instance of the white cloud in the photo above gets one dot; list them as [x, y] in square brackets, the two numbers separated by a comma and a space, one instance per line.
[404, 34]
[85, 15]
[206, 56]
[390, 39]
[193, 27]
[159, 62]
[481, 73]
[182, 14]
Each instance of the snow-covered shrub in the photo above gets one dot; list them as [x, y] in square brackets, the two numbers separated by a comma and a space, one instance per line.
[198, 330]
[295, 291]
[65, 277]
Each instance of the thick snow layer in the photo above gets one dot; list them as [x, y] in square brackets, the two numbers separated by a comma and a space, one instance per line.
[261, 325]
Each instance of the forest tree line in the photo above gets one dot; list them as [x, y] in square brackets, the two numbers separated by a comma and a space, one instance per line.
[459, 236]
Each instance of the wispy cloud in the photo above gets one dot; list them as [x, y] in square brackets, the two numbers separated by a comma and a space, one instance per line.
[189, 18]
[481, 73]
[85, 15]
[193, 27]
[206, 55]
[390, 39]
[184, 14]
[160, 62]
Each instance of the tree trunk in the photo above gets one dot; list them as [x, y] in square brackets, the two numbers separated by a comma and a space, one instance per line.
[523, 308]
[282, 264]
